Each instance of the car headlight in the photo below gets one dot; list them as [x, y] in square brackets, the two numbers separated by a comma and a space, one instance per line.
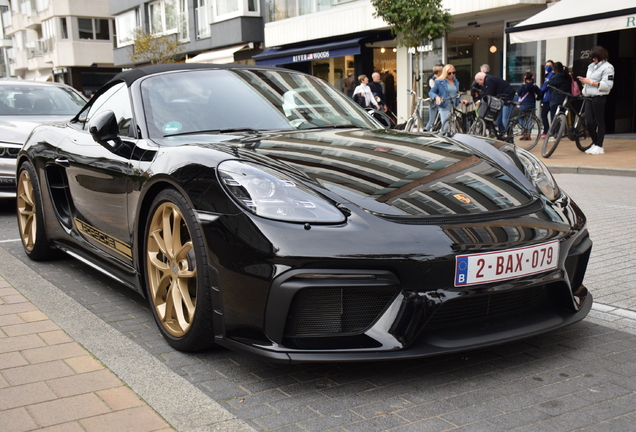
[274, 195]
[538, 174]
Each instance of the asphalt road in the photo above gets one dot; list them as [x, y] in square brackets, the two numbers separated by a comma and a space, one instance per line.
[579, 378]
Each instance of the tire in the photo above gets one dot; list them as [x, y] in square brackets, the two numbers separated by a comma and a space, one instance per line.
[526, 131]
[583, 139]
[556, 131]
[451, 126]
[30, 215]
[479, 128]
[383, 119]
[177, 283]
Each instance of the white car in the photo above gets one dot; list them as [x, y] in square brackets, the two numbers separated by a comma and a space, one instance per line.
[23, 106]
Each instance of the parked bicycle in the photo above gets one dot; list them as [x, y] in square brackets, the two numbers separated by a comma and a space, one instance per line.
[415, 122]
[453, 124]
[569, 120]
[523, 128]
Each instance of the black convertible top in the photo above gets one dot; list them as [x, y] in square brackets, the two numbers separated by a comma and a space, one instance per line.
[132, 75]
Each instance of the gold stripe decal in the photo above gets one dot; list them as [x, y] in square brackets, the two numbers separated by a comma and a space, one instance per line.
[105, 239]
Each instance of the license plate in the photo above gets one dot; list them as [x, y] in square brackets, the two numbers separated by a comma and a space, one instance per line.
[482, 268]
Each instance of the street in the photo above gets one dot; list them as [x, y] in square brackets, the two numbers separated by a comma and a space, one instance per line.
[582, 377]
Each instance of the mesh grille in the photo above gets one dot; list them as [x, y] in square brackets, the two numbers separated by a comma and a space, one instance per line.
[337, 311]
[462, 310]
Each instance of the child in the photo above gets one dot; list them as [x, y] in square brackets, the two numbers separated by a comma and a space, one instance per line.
[528, 94]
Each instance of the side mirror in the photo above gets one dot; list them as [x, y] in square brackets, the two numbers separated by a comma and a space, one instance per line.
[103, 128]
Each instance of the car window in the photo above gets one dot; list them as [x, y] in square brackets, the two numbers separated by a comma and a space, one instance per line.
[117, 100]
[187, 102]
[23, 99]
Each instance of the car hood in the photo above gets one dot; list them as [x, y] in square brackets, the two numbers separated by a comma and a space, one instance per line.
[398, 174]
[16, 129]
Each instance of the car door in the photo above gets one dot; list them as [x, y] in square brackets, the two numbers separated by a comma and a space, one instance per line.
[98, 178]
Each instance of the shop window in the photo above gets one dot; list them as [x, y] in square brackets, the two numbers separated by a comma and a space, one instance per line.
[520, 58]
[125, 26]
[227, 9]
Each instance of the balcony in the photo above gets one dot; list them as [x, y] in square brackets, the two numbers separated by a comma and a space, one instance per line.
[39, 47]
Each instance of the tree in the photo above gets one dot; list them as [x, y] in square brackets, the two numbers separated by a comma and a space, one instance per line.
[414, 21]
[154, 49]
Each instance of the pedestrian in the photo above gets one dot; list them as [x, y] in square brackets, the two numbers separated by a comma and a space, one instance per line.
[597, 84]
[545, 102]
[377, 88]
[562, 81]
[528, 94]
[446, 86]
[363, 94]
[476, 89]
[497, 87]
[432, 108]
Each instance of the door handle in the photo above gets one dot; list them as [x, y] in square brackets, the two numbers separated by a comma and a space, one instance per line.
[62, 161]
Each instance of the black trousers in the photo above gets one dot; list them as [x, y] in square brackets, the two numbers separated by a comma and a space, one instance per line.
[595, 118]
[545, 109]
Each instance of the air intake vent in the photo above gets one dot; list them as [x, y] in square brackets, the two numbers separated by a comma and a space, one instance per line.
[337, 311]
[463, 310]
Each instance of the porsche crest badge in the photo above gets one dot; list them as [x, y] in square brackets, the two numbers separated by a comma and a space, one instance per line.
[463, 198]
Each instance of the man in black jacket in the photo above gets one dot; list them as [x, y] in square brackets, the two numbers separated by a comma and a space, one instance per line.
[494, 86]
[376, 88]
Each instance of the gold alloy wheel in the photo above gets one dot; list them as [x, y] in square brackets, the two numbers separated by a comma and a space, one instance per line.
[26, 211]
[172, 274]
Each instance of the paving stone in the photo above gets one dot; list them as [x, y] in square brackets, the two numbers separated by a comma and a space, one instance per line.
[16, 420]
[331, 421]
[140, 419]
[120, 398]
[377, 424]
[37, 372]
[285, 418]
[19, 343]
[84, 383]
[68, 409]
[11, 360]
[53, 352]
[84, 364]
[18, 396]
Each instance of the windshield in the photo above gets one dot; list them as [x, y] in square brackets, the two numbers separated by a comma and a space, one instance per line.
[217, 101]
[39, 100]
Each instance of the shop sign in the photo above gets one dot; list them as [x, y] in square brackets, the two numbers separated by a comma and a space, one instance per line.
[421, 48]
[310, 56]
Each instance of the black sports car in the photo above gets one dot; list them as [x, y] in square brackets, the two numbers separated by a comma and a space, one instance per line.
[260, 209]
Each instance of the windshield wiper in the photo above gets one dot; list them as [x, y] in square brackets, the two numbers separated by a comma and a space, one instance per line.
[214, 131]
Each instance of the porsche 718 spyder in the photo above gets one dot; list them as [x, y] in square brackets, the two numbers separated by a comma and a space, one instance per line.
[262, 210]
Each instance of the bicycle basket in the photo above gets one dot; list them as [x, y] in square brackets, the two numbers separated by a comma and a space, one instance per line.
[489, 107]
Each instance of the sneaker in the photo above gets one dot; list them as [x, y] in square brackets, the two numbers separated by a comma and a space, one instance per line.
[595, 150]
[543, 136]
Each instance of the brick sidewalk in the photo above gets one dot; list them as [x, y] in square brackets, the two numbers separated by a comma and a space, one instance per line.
[49, 382]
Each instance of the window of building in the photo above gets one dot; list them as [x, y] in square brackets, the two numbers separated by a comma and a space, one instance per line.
[125, 26]
[203, 18]
[93, 28]
[64, 28]
[169, 17]
[227, 9]
[283, 9]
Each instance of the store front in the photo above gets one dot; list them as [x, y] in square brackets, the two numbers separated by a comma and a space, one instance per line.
[340, 62]
[613, 23]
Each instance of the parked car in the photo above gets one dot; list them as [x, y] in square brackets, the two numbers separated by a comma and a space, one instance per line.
[24, 105]
[261, 210]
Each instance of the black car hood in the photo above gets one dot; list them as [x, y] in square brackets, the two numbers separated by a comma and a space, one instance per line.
[399, 174]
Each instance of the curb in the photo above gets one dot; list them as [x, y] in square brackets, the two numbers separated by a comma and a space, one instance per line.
[572, 169]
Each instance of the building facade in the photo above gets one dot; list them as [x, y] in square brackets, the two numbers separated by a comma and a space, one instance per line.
[210, 31]
[67, 41]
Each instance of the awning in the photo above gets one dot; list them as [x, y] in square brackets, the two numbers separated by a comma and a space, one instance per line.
[278, 56]
[574, 18]
[221, 56]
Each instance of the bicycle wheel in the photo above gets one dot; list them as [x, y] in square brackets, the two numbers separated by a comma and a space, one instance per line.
[583, 139]
[554, 136]
[478, 128]
[451, 126]
[526, 131]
